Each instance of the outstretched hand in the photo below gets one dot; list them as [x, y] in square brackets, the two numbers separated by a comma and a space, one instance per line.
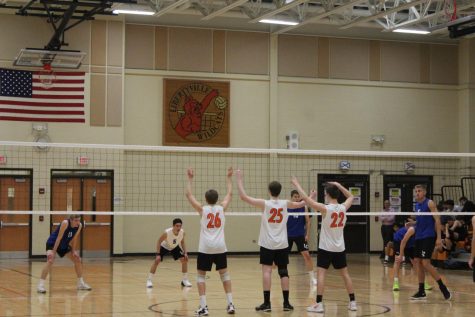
[230, 171]
[239, 174]
[190, 173]
[295, 181]
[313, 194]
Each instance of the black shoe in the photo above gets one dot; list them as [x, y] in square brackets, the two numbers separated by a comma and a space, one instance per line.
[447, 294]
[419, 296]
[263, 307]
[288, 307]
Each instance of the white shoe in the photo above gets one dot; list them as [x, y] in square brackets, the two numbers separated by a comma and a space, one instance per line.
[316, 308]
[149, 283]
[186, 283]
[84, 287]
[202, 311]
[231, 310]
[41, 289]
[352, 306]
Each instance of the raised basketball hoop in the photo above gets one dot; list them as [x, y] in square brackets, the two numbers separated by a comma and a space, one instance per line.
[47, 76]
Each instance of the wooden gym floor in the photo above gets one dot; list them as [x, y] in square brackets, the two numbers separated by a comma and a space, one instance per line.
[119, 290]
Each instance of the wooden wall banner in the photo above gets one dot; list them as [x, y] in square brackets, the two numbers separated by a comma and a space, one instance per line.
[195, 113]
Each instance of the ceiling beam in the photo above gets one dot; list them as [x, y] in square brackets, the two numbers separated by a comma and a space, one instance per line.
[278, 10]
[320, 16]
[223, 10]
[382, 14]
[170, 7]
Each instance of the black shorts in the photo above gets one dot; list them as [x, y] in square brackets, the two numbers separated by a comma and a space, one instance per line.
[176, 253]
[279, 256]
[60, 252]
[424, 248]
[302, 245]
[408, 252]
[205, 261]
[325, 258]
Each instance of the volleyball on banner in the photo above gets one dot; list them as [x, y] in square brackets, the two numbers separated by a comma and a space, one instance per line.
[196, 113]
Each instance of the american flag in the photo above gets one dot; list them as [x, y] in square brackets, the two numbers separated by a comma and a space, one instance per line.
[23, 97]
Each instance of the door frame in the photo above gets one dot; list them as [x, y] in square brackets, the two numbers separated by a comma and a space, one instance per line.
[81, 174]
[30, 176]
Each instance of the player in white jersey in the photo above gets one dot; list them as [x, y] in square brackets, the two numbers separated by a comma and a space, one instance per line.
[212, 245]
[273, 240]
[331, 248]
[172, 241]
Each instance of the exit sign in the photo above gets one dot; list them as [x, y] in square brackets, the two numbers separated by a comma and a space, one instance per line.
[3, 159]
[83, 160]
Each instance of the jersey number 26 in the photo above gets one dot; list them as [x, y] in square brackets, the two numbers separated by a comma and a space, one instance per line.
[214, 221]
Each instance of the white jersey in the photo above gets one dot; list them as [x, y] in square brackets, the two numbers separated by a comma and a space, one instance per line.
[331, 233]
[172, 240]
[212, 230]
[273, 234]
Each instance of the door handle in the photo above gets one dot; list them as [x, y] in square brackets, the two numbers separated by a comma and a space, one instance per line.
[97, 224]
[13, 224]
[356, 223]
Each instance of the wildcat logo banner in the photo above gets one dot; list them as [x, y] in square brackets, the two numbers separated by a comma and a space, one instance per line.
[196, 113]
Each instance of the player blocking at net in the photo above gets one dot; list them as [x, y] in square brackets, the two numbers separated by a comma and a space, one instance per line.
[63, 241]
[331, 247]
[212, 244]
[172, 241]
[273, 240]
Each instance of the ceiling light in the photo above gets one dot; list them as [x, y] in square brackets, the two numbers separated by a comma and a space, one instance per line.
[138, 12]
[412, 31]
[275, 21]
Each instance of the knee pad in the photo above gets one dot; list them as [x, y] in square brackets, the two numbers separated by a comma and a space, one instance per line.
[282, 270]
[200, 278]
[225, 277]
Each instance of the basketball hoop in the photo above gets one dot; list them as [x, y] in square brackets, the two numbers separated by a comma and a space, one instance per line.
[47, 76]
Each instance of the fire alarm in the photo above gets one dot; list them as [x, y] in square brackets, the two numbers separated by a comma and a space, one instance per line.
[41, 191]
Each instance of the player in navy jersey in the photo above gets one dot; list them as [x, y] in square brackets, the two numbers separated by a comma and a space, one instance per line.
[427, 236]
[63, 241]
[298, 230]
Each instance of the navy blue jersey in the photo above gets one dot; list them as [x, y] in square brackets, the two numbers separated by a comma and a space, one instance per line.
[399, 235]
[68, 235]
[296, 224]
[425, 224]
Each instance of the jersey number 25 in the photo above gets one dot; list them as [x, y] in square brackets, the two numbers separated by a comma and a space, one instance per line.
[275, 213]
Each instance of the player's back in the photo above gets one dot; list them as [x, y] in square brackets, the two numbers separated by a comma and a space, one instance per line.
[333, 224]
[212, 240]
[273, 233]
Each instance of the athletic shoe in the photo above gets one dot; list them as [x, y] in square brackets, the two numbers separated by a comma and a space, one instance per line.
[202, 311]
[231, 310]
[447, 294]
[352, 306]
[396, 286]
[149, 283]
[316, 308]
[264, 307]
[427, 286]
[288, 307]
[385, 262]
[419, 296]
[186, 283]
[84, 287]
[41, 289]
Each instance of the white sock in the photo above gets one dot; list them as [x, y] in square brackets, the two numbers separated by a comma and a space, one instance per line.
[396, 279]
[42, 282]
[229, 297]
[150, 276]
[80, 280]
[185, 276]
[386, 257]
[203, 301]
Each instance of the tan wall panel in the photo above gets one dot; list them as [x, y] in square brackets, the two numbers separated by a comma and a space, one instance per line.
[115, 47]
[425, 63]
[219, 51]
[79, 38]
[375, 60]
[98, 42]
[444, 64]
[191, 49]
[98, 100]
[161, 47]
[349, 59]
[297, 56]
[247, 53]
[98, 69]
[139, 48]
[400, 62]
[471, 60]
[114, 100]
[323, 57]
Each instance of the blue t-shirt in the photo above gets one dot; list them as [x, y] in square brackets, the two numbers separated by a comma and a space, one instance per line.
[425, 224]
[296, 224]
[68, 235]
[399, 235]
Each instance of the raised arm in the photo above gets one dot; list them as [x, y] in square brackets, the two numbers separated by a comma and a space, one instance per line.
[349, 197]
[310, 202]
[229, 186]
[435, 214]
[188, 193]
[259, 203]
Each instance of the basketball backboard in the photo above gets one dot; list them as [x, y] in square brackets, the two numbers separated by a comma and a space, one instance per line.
[57, 59]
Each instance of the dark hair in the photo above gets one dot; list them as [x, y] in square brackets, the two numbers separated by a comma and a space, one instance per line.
[74, 216]
[463, 198]
[274, 188]
[449, 202]
[332, 191]
[468, 206]
[177, 220]
[422, 186]
[293, 192]
[211, 196]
